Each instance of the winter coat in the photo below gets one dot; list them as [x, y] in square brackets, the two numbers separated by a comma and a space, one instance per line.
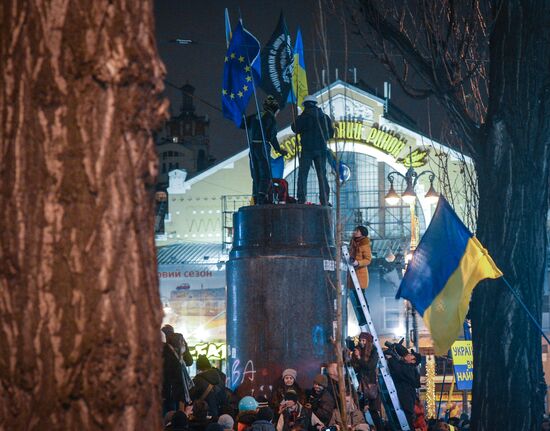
[315, 129]
[360, 250]
[198, 424]
[365, 367]
[299, 416]
[262, 425]
[245, 420]
[322, 405]
[419, 421]
[279, 390]
[355, 418]
[270, 130]
[406, 379]
[216, 397]
[173, 389]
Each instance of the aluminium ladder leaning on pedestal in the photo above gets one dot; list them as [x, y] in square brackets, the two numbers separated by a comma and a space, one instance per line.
[394, 412]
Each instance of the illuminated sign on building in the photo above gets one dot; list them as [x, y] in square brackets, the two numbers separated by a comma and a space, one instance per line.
[213, 351]
[374, 136]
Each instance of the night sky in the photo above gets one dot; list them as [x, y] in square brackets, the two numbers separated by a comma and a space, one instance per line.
[201, 63]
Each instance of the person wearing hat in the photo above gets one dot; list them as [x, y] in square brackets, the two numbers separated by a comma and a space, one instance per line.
[287, 382]
[294, 414]
[315, 129]
[364, 361]
[209, 386]
[264, 420]
[261, 137]
[406, 377]
[319, 400]
[248, 409]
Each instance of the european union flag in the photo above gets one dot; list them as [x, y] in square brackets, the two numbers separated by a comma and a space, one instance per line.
[241, 70]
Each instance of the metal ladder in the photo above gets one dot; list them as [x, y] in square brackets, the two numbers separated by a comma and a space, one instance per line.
[393, 408]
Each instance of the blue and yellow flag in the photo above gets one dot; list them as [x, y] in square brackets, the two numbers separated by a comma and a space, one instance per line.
[445, 268]
[299, 76]
[241, 70]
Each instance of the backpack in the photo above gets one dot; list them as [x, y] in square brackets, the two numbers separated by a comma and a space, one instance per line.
[278, 191]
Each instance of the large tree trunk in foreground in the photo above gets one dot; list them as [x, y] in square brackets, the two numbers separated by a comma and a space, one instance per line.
[79, 305]
[513, 173]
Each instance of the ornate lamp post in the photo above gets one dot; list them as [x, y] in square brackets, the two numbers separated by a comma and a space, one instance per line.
[411, 178]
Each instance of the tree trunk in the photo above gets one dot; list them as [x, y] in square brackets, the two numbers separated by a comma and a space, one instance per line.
[513, 174]
[79, 310]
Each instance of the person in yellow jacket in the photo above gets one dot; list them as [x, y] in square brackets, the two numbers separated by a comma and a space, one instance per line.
[360, 254]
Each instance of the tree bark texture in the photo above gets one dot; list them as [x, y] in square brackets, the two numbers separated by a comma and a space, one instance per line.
[513, 172]
[79, 306]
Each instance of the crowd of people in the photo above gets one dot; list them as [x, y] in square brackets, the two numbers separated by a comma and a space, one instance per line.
[205, 403]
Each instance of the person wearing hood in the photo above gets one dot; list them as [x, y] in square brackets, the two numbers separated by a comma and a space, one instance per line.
[208, 386]
[361, 255]
[315, 129]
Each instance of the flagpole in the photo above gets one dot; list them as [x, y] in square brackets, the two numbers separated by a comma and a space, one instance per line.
[261, 125]
[442, 386]
[533, 319]
[249, 149]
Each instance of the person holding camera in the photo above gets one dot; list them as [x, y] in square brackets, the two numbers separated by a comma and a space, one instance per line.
[364, 360]
[403, 367]
[319, 400]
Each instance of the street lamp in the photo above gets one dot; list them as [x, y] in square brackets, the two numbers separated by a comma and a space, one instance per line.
[411, 178]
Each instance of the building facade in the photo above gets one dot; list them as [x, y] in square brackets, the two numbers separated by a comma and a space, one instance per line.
[197, 235]
[183, 142]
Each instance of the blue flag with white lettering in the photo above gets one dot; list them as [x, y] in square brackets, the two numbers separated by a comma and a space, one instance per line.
[241, 70]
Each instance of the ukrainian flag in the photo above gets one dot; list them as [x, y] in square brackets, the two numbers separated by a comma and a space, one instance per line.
[445, 268]
[299, 77]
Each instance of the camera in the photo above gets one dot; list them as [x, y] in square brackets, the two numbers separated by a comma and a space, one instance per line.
[391, 349]
[330, 428]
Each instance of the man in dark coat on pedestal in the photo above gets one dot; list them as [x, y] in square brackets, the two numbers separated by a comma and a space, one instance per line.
[315, 129]
[261, 137]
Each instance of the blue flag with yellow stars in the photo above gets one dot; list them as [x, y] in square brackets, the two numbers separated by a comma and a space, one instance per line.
[241, 70]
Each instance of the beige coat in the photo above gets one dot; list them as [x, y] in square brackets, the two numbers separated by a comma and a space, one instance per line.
[360, 250]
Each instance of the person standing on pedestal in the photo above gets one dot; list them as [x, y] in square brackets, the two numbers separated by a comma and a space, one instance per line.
[261, 137]
[315, 129]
